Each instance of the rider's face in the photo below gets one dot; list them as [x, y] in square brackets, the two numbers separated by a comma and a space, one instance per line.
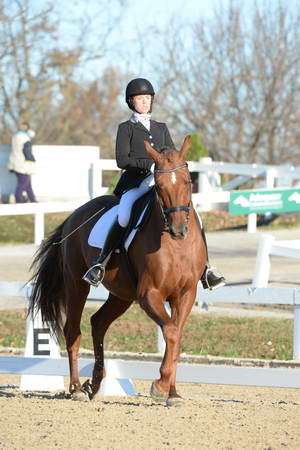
[142, 103]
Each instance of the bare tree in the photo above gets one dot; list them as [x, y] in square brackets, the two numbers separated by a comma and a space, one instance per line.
[46, 60]
[87, 114]
[235, 79]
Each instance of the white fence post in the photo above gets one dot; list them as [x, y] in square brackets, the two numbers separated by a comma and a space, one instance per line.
[204, 184]
[39, 224]
[251, 223]
[271, 176]
[96, 182]
[262, 264]
[296, 339]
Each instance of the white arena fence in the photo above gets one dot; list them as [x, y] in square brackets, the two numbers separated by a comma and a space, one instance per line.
[46, 373]
[249, 295]
[209, 171]
[38, 210]
[211, 192]
[227, 294]
[121, 370]
[268, 246]
[187, 373]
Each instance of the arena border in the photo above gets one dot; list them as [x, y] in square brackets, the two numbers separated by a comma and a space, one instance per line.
[184, 358]
[125, 370]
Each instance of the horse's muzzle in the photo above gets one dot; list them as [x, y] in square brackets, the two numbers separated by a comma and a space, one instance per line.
[179, 234]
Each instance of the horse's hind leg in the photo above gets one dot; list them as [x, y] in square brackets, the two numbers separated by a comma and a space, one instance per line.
[75, 300]
[113, 308]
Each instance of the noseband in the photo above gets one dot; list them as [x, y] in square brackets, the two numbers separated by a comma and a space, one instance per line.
[167, 211]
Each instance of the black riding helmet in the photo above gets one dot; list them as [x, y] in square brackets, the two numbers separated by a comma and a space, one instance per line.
[138, 86]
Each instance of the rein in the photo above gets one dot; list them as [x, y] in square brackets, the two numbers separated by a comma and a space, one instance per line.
[81, 225]
[166, 211]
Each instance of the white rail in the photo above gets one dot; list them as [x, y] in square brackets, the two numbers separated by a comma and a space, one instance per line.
[187, 373]
[249, 295]
[38, 210]
[268, 247]
[209, 184]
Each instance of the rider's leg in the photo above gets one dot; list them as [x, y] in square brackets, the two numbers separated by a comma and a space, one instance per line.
[96, 273]
[210, 278]
[128, 199]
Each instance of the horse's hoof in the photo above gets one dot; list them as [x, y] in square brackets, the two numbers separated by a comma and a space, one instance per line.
[156, 394]
[80, 396]
[175, 401]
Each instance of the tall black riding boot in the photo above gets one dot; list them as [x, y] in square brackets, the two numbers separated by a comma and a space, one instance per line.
[96, 273]
[210, 279]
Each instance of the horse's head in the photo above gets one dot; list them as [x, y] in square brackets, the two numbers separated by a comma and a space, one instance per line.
[173, 187]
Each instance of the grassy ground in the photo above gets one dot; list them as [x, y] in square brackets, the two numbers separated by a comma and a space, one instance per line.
[19, 229]
[203, 335]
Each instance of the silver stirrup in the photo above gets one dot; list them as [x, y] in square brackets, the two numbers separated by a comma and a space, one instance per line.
[90, 279]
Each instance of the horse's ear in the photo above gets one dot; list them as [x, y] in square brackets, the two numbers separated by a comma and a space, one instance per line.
[151, 151]
[185, 146]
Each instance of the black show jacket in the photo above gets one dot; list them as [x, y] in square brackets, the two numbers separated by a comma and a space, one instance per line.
[131, 154]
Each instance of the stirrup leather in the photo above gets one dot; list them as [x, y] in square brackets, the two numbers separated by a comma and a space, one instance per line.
[95, 274]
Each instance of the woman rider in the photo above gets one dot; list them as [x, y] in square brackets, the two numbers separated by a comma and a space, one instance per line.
[137, 177]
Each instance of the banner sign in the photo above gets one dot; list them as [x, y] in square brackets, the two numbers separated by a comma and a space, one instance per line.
[275, 200]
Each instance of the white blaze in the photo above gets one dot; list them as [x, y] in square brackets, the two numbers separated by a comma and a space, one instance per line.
[173, 177]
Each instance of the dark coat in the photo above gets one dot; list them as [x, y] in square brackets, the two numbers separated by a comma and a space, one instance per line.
[131, 154]
[27, 151]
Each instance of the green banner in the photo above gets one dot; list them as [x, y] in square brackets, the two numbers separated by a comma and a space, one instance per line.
[264, 200]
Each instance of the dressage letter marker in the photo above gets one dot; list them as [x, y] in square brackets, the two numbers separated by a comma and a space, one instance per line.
[40, 343]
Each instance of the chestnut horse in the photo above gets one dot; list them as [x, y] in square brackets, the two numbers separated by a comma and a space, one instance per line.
[168, 257]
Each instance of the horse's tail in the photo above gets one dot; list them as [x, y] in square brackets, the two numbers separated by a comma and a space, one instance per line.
[48, 294]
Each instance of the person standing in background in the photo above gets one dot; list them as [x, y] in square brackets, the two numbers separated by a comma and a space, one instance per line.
[22, 162]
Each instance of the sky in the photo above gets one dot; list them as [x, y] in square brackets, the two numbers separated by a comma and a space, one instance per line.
[142, 14]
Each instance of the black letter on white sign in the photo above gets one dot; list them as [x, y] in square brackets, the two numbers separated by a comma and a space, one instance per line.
[37, 341]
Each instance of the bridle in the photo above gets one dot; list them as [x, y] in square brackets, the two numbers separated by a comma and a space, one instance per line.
[167, 211]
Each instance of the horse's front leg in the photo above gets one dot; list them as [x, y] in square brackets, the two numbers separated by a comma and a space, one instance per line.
[113, 308]
[182, 307]
[165, 387]
[153, 304]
